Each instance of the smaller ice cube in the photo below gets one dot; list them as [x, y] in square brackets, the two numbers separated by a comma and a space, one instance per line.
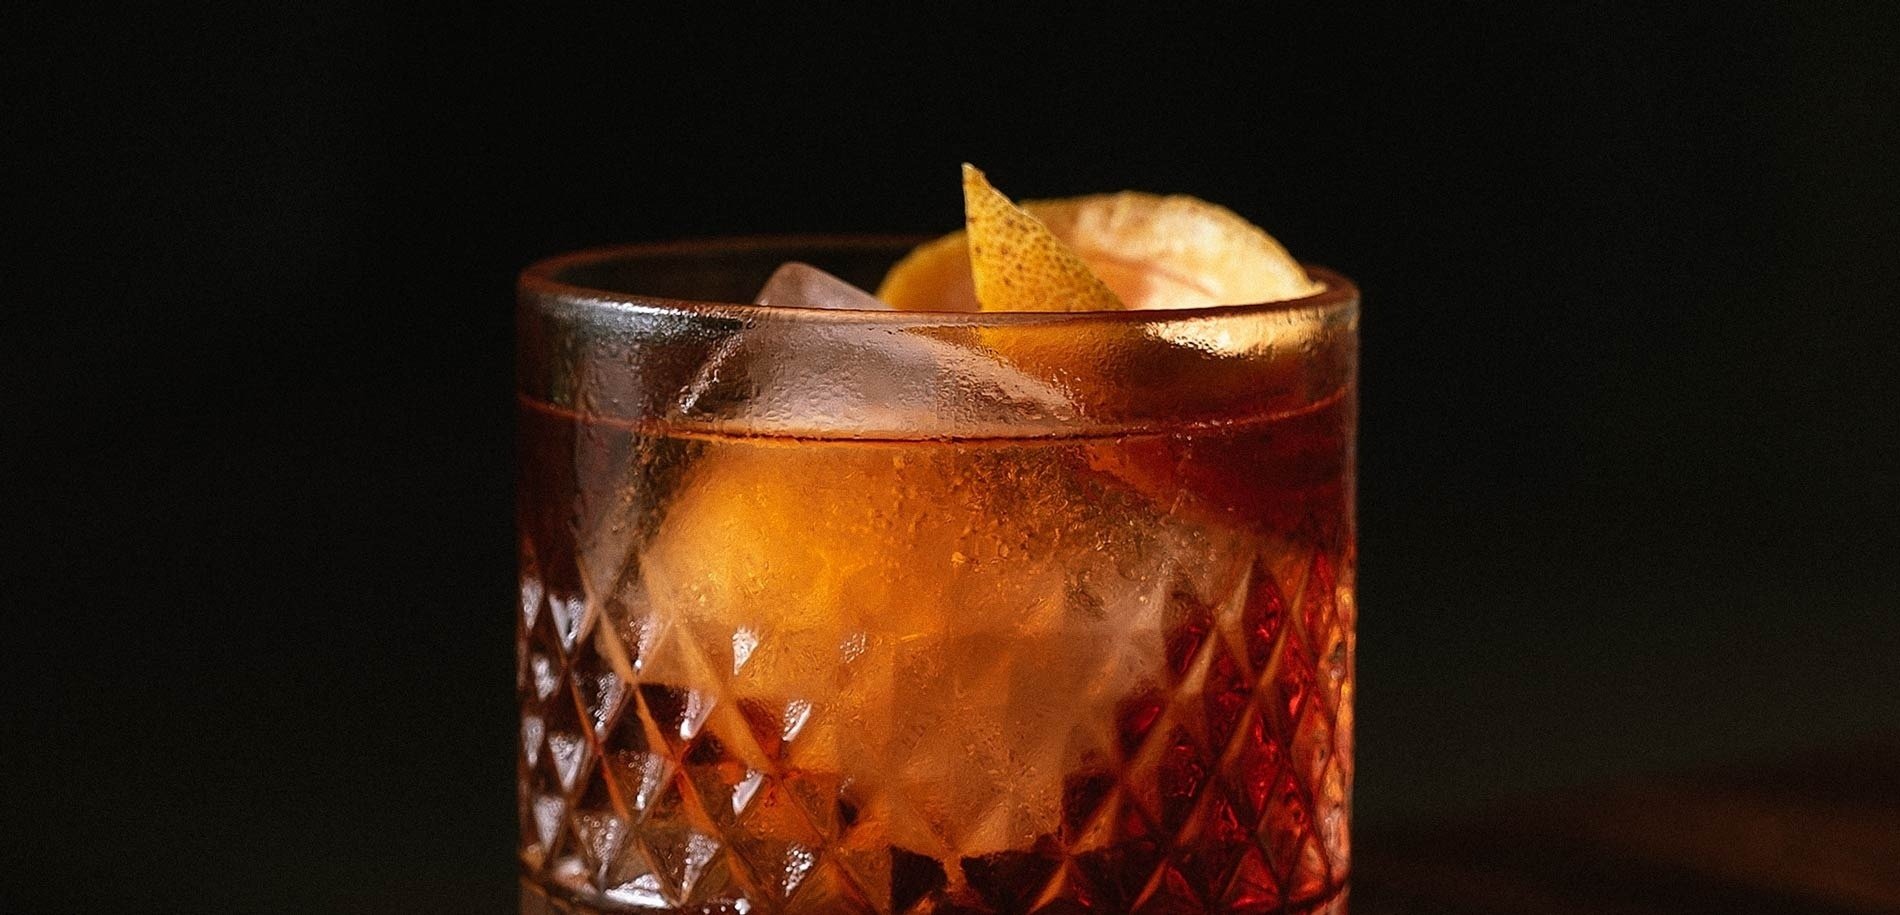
[870, 378]
[797, 285]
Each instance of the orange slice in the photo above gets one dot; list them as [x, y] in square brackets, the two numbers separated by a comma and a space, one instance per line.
[1174, 251]
[934, 277]
[1102, 252]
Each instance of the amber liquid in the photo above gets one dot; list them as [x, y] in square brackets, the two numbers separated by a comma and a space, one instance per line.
[1093, 674]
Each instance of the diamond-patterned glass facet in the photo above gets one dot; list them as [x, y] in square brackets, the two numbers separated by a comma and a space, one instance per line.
[1226, 790]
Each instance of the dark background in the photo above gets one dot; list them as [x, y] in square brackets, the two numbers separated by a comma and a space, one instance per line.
[1629, 441]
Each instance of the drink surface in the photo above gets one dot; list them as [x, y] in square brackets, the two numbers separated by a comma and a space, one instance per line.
[1096, 674]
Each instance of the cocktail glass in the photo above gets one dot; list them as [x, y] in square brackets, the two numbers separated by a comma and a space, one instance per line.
[867, 611]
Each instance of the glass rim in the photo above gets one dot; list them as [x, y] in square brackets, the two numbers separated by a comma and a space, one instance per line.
[542, 279]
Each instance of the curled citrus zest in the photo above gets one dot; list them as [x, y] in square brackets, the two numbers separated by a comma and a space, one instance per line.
[1017, 264]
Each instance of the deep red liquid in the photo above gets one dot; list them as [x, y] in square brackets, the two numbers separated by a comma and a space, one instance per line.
[1214, 776]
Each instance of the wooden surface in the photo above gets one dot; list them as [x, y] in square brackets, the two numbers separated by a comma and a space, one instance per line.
[1820, 835]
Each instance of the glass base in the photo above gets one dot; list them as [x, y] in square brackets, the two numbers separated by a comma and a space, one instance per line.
[536, 900]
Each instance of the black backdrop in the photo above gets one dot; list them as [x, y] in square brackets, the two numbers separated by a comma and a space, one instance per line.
[1628, 455]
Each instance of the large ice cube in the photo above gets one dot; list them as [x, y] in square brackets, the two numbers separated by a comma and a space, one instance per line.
[944, 627]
